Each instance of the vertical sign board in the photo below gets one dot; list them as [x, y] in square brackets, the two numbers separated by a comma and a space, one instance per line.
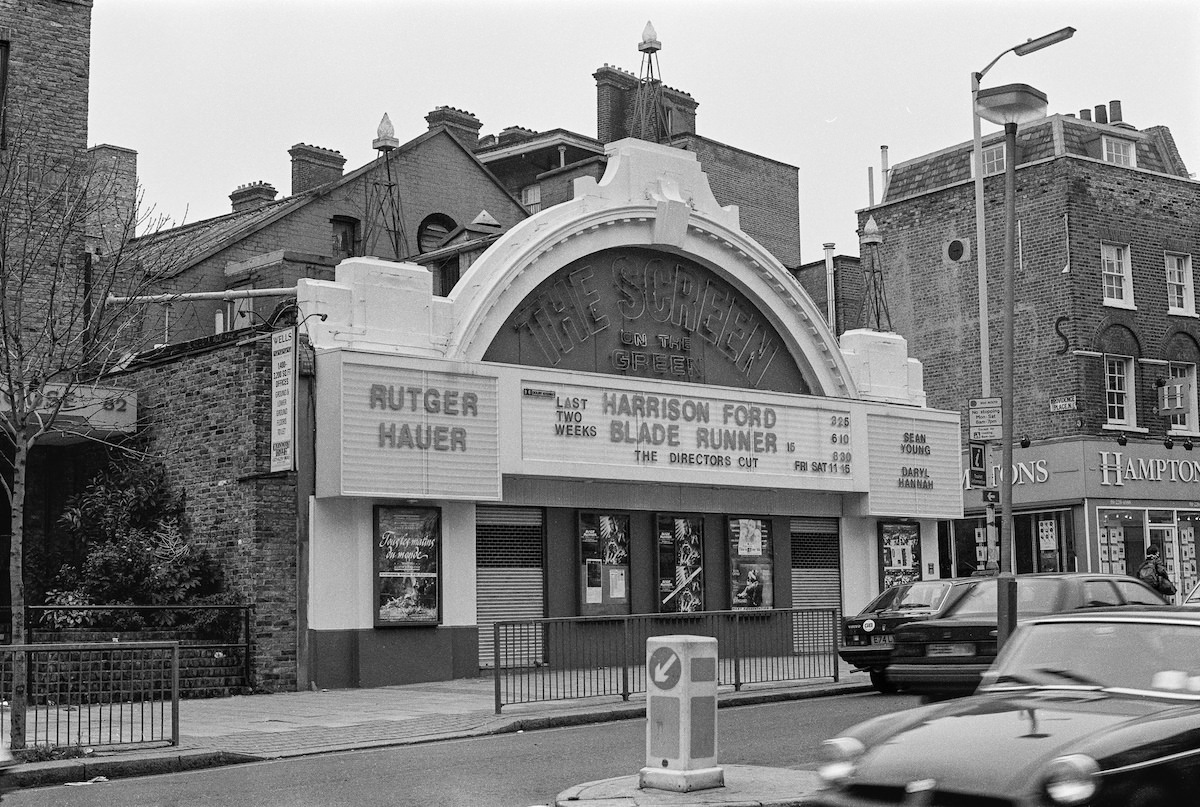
[899, 553]
[681, 714]
[283, 400]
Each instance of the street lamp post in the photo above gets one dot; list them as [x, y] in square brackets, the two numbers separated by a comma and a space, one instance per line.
[1009, 106]
[977, 159]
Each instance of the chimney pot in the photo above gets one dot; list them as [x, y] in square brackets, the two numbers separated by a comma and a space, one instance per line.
[252, 196]
[1114, 111]
[1101, 113]
[313, 166]
[1085, 114]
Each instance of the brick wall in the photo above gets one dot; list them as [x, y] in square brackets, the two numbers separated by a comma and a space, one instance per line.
[208, 410]
[766, 191]
[1066, 207]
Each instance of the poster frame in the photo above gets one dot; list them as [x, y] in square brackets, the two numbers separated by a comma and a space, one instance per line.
[910, 533]
[600, 601]
[380, 570]
[697, 522]
[761, 563]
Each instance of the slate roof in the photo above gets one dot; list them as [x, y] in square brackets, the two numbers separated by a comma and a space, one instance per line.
[187, 245]
[1155, 152]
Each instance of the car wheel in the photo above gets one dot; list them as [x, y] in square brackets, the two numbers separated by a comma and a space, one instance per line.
[880, 681]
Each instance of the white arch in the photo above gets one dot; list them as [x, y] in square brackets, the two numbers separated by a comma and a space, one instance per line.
[650, 196]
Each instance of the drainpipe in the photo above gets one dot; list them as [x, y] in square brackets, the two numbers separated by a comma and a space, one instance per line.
[830, 306]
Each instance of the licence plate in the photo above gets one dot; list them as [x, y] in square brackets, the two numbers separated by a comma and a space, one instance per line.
[884, 640]
[951, 649]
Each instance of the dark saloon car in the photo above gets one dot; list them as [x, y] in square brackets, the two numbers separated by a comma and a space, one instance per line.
[867, 636]
[946, 656]
[1092, 707]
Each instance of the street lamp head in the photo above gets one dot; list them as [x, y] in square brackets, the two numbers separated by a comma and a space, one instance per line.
[1011, 103]
[1044, 41]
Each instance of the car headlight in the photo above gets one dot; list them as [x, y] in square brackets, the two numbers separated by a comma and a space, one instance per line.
[840, 755]
[1071, 779]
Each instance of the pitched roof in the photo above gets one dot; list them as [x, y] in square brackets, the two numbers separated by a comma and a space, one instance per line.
[189, 244]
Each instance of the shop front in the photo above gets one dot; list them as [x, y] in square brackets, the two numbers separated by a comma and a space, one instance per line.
[1089, 505]
[626, 406]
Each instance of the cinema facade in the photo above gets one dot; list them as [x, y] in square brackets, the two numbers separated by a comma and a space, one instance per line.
[626, 405]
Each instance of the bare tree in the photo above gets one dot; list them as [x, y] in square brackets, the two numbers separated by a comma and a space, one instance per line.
[67, 242]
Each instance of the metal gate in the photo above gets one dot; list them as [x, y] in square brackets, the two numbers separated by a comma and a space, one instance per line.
[816, 564]
[510, 575]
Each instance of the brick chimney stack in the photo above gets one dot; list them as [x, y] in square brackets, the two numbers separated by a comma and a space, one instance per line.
[114, 183]
[463, 125]
[252, 196]
[313, 166]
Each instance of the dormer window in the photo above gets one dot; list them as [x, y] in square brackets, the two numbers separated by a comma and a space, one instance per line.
[345, 237]
[1120, 152]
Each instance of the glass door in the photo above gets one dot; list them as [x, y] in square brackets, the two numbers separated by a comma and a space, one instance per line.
[1166, 538]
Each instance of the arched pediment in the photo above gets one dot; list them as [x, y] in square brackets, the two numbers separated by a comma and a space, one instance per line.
[652, 212]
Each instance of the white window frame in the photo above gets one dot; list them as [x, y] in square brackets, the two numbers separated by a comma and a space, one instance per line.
[994, 160]
[1184, 422]
[1181, 298]
[1116, 274]
[531, 197]
[1120, 407]
[1119, 151]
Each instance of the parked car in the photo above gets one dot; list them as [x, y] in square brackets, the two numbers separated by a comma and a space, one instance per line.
[868, 635]
[1092, 707]
[946, 656]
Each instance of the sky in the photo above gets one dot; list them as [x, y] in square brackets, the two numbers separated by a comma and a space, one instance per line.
[212, 93]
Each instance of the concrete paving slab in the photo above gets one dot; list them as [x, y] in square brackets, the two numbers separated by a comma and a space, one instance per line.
[745, 786]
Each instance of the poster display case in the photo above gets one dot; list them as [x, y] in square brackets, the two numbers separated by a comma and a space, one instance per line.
[680, 541]
[604, 560]
[750, 559]
[407, 562]
[899, 553]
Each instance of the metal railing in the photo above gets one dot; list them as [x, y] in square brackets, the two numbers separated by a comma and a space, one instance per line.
[94, 694]
[581, 657]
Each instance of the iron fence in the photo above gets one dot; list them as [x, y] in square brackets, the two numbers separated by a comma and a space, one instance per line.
[580, 657]
[93, 694]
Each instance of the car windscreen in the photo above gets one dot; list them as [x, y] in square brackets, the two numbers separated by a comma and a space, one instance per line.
[883, 601]
[1033, 597]
[927, 594]
[1139, 655]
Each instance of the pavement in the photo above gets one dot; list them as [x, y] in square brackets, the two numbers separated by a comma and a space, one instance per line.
[249, 728]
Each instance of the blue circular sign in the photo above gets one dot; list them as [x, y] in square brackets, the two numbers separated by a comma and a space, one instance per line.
[664, 668]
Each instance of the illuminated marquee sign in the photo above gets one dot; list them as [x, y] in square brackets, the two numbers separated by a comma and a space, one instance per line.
[408, 431]
[760, 442]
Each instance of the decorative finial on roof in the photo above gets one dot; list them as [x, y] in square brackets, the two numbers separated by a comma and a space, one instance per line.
[649, 43]
[385, 137]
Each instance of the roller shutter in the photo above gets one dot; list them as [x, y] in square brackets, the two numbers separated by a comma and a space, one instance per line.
[816, 564]
[511, 582]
